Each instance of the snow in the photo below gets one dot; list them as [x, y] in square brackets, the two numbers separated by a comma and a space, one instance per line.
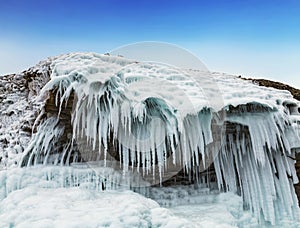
[91, 67]
[48, 196]
[36, 207]
[60, 207]
[41, 203]
[34, 199]
[52, 196]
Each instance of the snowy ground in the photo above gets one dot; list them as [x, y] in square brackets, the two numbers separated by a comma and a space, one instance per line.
[49, 197]
[76, 207]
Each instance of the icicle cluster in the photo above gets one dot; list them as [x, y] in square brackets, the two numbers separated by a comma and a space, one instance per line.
[150, 133]
[44, 143]
[144, 132]
[258, 163]
[161, 132]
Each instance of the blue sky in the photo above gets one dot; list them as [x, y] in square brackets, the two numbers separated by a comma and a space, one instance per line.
[250, 37]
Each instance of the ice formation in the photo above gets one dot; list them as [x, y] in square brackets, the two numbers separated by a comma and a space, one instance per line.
[73, 207]
[157, 118]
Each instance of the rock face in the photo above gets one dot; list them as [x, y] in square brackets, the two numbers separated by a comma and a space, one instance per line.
[19, 109]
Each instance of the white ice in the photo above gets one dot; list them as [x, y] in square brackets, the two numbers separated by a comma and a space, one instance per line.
[66, 197]
[49, 197]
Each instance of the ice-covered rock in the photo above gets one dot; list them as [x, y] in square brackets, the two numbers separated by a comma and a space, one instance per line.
[158, 120]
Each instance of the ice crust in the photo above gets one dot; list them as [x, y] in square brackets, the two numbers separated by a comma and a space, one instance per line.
[53, 196]
[73, 207]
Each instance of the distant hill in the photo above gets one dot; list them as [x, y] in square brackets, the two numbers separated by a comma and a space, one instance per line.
[277, 85]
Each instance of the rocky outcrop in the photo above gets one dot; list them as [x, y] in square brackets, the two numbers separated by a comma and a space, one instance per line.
[20, 106]
[277, 85]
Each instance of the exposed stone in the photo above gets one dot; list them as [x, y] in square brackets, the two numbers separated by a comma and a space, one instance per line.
[277, 85]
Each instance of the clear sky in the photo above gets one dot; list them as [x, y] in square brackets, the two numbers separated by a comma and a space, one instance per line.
[253, 38]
